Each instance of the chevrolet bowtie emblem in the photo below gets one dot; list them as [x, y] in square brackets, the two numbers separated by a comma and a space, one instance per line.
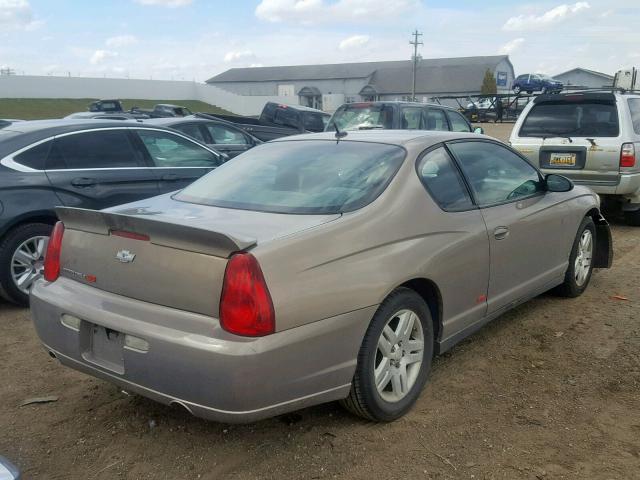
[125, 256]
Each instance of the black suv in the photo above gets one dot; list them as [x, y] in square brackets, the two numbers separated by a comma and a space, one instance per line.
[80, 163]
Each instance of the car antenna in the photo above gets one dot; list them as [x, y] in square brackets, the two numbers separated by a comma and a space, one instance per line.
[339, 134]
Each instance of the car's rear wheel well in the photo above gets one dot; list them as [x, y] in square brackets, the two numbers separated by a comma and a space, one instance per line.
[430, 293]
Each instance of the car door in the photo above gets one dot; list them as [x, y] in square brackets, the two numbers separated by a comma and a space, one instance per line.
[466, 260]
[99, 168]
[228, 140]
[527, 226]
[176, 160]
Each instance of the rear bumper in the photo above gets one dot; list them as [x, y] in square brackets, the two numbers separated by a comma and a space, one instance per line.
[221, 377]
[627, 184]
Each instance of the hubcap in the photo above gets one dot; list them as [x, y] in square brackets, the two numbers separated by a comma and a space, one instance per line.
[399, 356]
[27, 262]
[582, 264]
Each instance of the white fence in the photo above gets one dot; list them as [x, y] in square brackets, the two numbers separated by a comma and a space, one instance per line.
[27, 86]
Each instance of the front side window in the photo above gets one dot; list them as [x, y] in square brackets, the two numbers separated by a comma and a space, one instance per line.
[634, 107]
[224, 135]
[496, 174]
[312, 176]
[95, 149]
[443, 181]
[435, 120]
[192, 130]
[458, 122]
[410, 118]
[286, 117]
[315, 122]
[584, 118]
[168, 150]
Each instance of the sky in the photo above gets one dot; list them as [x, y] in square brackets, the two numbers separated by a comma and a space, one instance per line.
[196, 39]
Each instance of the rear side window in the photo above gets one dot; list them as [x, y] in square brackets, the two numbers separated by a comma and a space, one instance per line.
[458, 122]
[581, 118]
[443, 181]
[634, 107]
[224, 135]
[168, 150]
[102, 149]
[35, 157]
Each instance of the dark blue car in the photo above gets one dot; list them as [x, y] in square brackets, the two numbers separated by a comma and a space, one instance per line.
[536, 82]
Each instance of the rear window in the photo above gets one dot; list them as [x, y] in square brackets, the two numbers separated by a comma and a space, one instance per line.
[362, 117]
[634, 107]
[311, 177]
[581, 118]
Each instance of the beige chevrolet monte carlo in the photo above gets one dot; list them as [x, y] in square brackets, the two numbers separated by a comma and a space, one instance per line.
[314, 268]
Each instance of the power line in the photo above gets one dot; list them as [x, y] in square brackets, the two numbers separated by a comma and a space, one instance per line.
[415, 42]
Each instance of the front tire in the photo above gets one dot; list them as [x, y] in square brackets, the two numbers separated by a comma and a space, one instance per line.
[580, 268]
[22, 260]
[394, 360]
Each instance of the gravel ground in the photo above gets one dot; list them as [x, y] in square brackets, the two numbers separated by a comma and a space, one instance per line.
[550, 390]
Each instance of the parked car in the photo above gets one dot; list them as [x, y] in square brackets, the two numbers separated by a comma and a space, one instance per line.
[278, 120]
[224, 136]
[162, 110]
[536, 82]
[592, 138]
[106, 106]
[398, 115]
[81, 163]
[312, 268]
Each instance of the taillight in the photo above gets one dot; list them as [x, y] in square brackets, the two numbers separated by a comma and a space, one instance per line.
[245, 304]
[52, 257]
[628, 155]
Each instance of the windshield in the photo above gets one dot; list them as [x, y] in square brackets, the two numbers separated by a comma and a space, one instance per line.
[362, 117]
[316, 176]
[581, 118]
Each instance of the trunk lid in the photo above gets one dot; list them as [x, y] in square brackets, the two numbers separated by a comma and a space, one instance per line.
[181, 261]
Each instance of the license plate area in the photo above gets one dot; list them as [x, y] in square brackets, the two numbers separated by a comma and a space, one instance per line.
[103, 347]
[562, 159]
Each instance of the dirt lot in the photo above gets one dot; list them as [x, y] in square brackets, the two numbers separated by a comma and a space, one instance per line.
[550, 390]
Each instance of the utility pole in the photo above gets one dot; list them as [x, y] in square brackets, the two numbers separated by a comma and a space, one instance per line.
[415, 42]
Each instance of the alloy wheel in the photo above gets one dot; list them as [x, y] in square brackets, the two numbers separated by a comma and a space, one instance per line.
[582, 264]
[399, 356]
[27, 262]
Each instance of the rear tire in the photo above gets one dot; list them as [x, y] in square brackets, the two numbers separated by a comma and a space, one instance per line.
[394, 360]
[632, 218]
[25, 238]
[580, 268]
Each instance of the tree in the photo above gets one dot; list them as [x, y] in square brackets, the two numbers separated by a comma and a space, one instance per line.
[488, 83]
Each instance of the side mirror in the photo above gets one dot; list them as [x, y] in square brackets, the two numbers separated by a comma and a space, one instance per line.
[558, 183]
[479, 130]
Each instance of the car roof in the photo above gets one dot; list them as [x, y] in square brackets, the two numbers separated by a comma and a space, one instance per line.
[170, 121]
[21, 134]
[391, 137]
[301, 108]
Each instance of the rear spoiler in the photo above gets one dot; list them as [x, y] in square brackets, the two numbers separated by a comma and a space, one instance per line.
[164, 233]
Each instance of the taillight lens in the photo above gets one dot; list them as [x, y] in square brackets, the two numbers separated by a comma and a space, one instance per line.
[52, 257]
[245, 304]
[628, 155]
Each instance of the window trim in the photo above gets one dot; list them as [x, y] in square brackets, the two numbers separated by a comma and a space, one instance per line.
[507, 147]
[456, 167]
[10, 163]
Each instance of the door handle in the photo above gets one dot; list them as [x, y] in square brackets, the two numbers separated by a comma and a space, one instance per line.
[82, 182]
[170, 177]
[500, 233]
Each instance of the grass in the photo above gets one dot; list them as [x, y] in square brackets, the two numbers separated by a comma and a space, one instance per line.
[40, 108]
